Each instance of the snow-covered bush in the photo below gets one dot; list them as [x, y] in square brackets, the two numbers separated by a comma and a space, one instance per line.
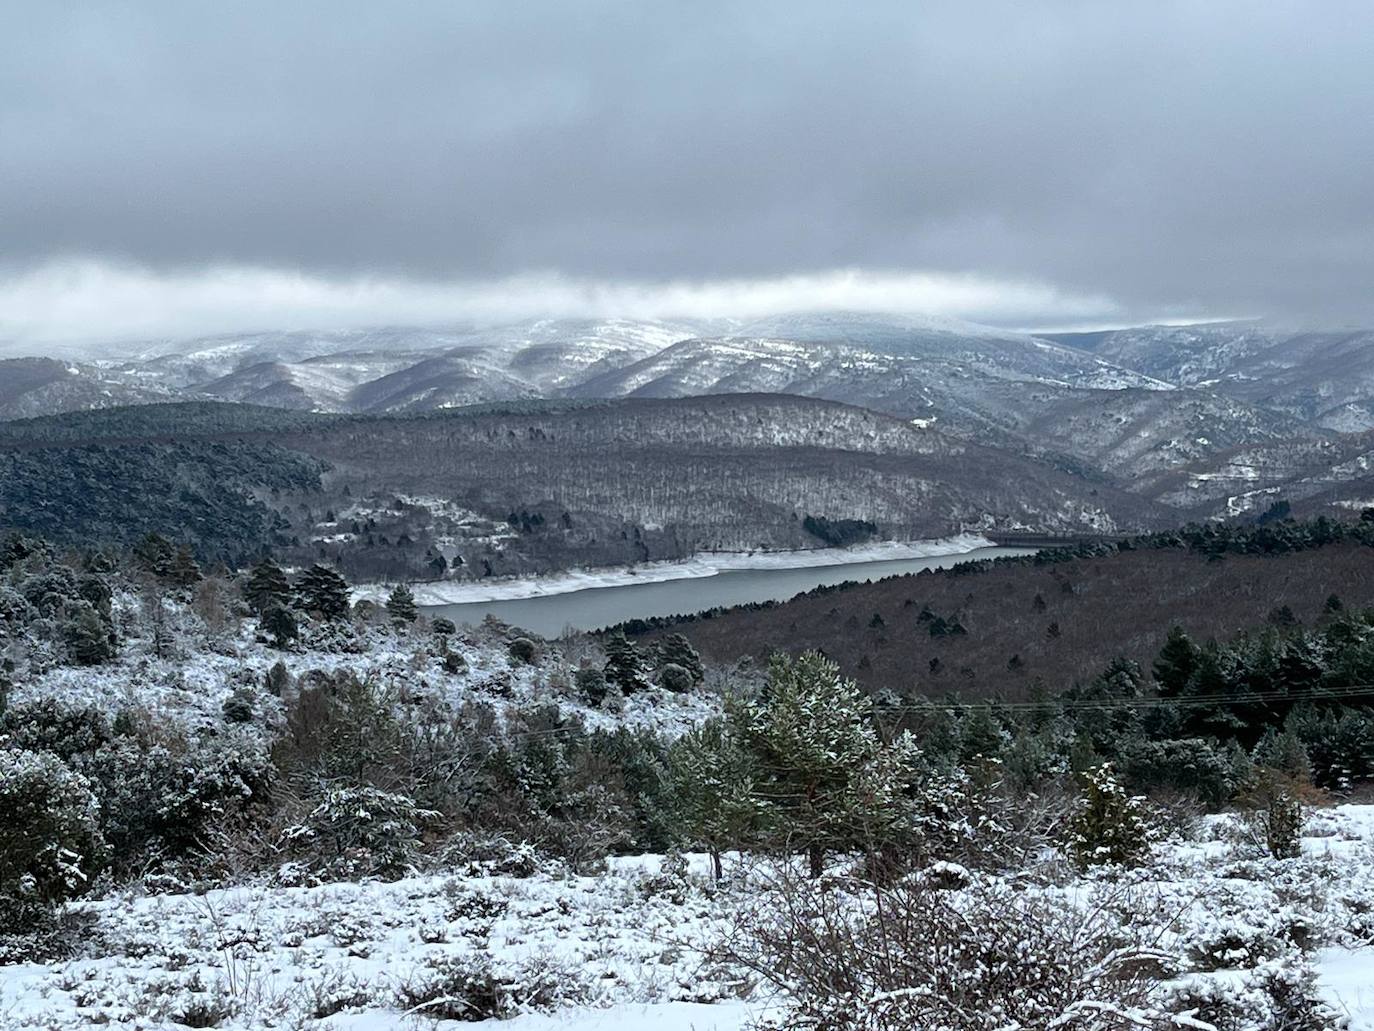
[1234, 934]
[1109, 826]
[471, 987]
[50, 725]
[972, 818]
[360, 831]
[522, 649]
[50, 847]
[857, 957]
[15, 610]
[50, 843]
[590, 682]
[484, 855]
[1278, 995]
[163, 799]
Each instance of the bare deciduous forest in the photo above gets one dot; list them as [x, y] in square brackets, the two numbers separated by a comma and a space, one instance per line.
[1022, 623]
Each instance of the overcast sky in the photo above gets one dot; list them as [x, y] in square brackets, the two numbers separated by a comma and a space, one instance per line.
[184, 166]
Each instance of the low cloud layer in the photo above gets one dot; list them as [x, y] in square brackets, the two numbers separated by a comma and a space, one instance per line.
[78, 303]
[1209, 157]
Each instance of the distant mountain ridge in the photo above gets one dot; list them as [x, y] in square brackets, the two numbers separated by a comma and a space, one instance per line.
[1211, 419]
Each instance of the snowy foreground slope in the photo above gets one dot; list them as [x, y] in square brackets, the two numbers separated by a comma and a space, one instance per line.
[632, 947]
[643, 941]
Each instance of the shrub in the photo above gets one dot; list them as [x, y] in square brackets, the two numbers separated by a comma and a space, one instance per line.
[522, 649]
[50, 842]
[48, 725]
[673, 677]
[470, 988]
[163, 799]
[849, 957]
[359, 831]
[238, 707]
[1278, 995]
[1109, 826]
[278, 679]
[1193, 765]
[591, 684]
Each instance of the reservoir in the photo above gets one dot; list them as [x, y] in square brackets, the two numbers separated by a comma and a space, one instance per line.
[592, 608]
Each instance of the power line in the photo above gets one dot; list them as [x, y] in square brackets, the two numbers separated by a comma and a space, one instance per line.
[1156, 702]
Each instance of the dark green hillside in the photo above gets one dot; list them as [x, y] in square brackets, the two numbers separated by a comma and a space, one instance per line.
[179, 421]
[211, 495]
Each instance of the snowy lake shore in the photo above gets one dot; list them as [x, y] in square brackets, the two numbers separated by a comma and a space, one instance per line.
[702, 565]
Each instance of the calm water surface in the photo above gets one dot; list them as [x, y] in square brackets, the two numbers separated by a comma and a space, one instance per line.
[595, 607]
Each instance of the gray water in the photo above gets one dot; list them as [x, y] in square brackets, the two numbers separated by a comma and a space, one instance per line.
[595, 607]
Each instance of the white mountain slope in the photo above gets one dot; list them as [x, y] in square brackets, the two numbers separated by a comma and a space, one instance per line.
[46, 386]
[1325, 377]
[322, 371]
[1107, 406]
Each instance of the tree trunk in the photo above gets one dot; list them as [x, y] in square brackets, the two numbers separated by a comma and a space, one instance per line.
[815, 856]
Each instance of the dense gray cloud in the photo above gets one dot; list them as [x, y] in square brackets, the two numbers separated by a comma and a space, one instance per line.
[1207, 157]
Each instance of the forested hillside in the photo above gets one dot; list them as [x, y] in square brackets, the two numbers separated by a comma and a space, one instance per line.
[525, 486]
[1013, 628]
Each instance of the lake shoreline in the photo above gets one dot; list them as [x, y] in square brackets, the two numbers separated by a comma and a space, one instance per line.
[699, 566]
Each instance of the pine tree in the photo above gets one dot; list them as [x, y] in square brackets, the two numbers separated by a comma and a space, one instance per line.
[712, 781]
[1283, 820]
[280, 624]
[443, 629]
[155, 613]
[1177, 662]
[826, 778]
[676, 650]
[400, 606]
[267, 587]
[321, 590]
[1284, 752]
[156, 555]
[624, 664]
[89, 640]
[1109, 826]
[184, 570]
[6, 683]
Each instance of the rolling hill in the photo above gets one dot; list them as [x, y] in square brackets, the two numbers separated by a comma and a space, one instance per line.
[532, 486]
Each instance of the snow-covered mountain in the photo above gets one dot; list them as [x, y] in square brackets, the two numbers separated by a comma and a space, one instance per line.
[912, 366]
[1325, 377]
[1164, 411]
[45, 386]
[394, 369]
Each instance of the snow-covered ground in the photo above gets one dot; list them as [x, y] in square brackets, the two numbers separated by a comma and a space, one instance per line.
[702, 565]
[191, 684]
[627, 949]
